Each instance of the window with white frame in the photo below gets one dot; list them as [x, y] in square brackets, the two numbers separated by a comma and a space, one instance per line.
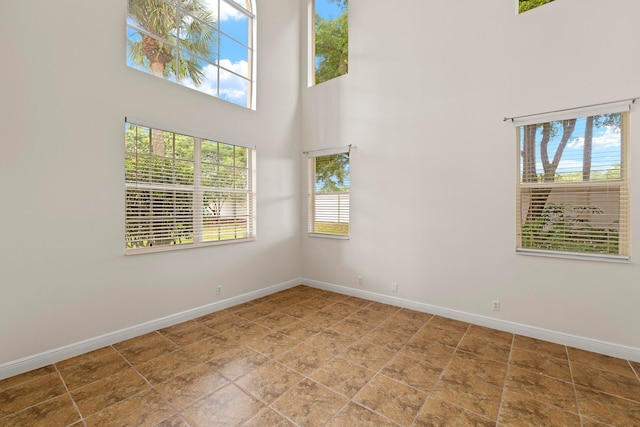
[330, 57]
[207, 45]
[573, 186]
[328, 195]
[183, 191]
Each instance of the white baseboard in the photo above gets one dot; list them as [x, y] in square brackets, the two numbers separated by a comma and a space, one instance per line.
[596, 346]
[58, 354]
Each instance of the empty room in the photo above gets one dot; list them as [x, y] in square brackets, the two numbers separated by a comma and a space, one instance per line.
[319, 213]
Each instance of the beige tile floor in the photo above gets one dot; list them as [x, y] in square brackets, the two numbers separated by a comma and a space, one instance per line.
[307, 357]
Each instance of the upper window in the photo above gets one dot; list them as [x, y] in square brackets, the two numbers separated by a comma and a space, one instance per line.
[573, 194]
[207, 45]
[524, 5]
[184, 191]
[331, 39]
[329, 193]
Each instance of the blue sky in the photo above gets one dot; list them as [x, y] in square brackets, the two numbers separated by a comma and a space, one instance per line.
[327, 9]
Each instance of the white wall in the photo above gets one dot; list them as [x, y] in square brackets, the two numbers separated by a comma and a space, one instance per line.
[64, 93]
[428, 86]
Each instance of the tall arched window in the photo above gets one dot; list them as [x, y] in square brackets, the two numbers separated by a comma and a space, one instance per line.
[207, 45]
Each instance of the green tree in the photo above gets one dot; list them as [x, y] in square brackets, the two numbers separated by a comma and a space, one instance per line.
[525, 5]
[332, 173]
[194, 36]
[332, 44]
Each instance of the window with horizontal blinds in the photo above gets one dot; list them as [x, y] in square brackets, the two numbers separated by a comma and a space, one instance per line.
[573, 187]
[183, 191]
[328, 194]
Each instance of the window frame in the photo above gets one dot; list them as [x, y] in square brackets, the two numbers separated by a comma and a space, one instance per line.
[312, 194]
[197, 190]
[249, 12]
[572, 188]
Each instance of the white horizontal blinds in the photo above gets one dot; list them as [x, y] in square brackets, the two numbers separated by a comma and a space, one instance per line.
[182, 190]
[573, 188]
[329, 184]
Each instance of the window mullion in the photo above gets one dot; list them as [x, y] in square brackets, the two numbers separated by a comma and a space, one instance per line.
[198, 194]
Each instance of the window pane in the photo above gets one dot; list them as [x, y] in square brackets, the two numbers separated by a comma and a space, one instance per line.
[331, 39]
[234, 23]
[583, 149]
[234, 57]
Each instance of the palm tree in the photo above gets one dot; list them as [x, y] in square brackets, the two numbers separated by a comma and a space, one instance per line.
[165, 28]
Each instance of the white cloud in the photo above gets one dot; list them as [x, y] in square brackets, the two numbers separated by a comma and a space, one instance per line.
[232, 87]
[228, 12]
[610, 138]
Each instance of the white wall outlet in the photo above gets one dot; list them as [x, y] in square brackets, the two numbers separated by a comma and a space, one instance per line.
[360, 280]
[218, 289]
[495, 305]
[394, 287]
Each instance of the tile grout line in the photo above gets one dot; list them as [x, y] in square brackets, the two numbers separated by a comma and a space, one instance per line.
[506, 375]
[573, 383]
[443, 369]
[64, 383]
[177, 412]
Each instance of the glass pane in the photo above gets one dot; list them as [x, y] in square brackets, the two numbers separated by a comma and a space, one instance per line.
[241, 157]
[184, 172]
[234, 88]
[241, 182]
[199, 75]
[226, 154]
[199, 42]
[576, 150]
[234, 56]
[209, 151]
[234, 23]
[210, 175]
[332, 173]
[211, 7]
[331, 39]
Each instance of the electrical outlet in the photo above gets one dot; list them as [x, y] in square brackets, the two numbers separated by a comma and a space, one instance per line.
[360, 280]
[218, 289]
[495, 305]
[394, 287]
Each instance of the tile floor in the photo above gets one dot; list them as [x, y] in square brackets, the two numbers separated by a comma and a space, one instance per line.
[308, 357]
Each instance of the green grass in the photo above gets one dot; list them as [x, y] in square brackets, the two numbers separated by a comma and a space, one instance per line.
[338, 228]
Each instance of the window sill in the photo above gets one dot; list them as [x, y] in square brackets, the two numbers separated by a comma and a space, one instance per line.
[329, 236]
[169, 248]
[575, 255]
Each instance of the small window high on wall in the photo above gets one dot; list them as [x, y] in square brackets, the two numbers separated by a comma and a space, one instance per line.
[328, 194]
[330, 21]
[525, 5]
[206, 45]
[573, 186]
